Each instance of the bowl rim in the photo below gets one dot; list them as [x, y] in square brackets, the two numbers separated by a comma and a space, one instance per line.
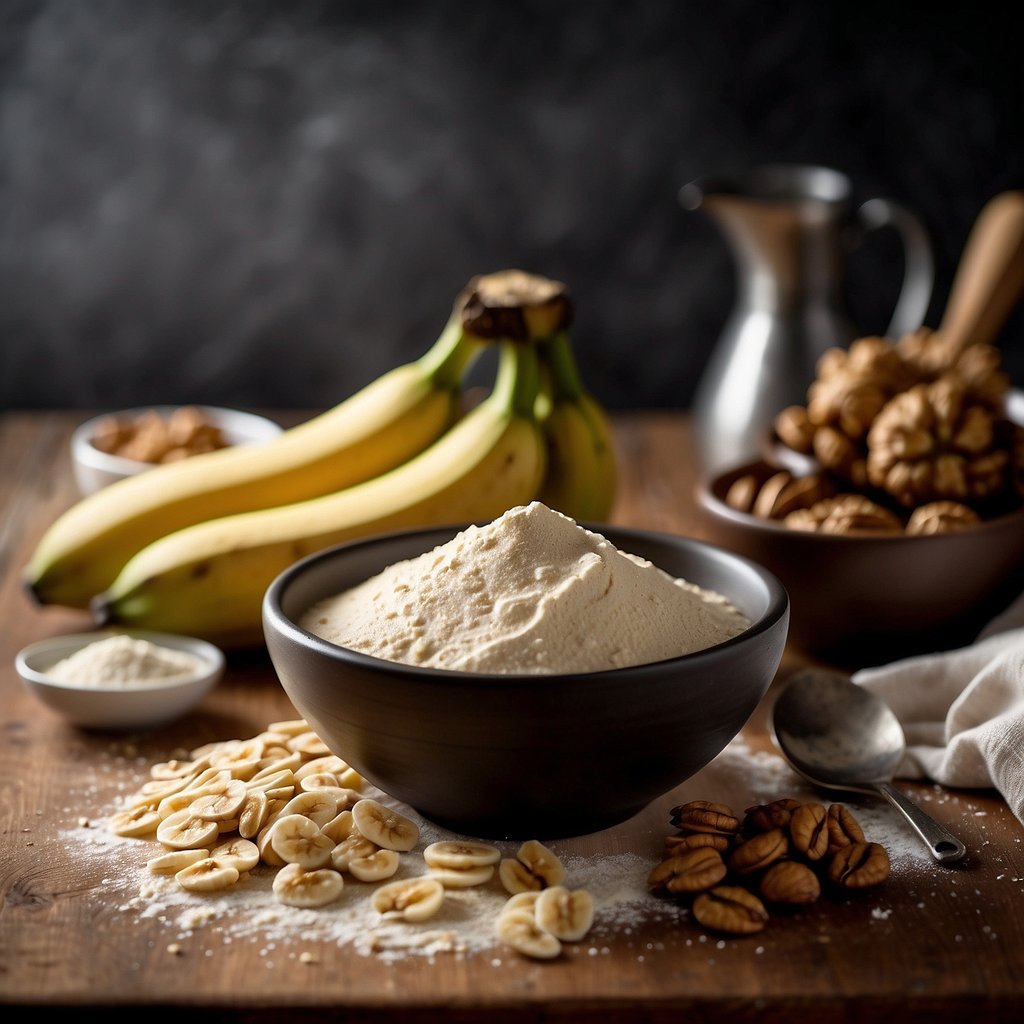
[272, 610]
[65, 644]
[263, 428]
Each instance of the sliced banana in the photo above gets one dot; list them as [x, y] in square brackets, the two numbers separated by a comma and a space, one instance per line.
[278, 778]
[254, 812]
[354, 845]
[241, 854]
[534, 867]
[283, 760]
[328, 763]
[177, 768]
[297, 839]
[319, 780]
[308, 744]
[519, 929]
[172, 861]
[268, 855]
[289, 727]
[385, 826]
[566, 914]
[182, 830]
[460, 854]
[296, 887]
[414, 899]
[221, 806]
[375, 867]
[319, 805]
[463, 878]
[521, 901]
[136, 822]
[340, 827]
[207, 875]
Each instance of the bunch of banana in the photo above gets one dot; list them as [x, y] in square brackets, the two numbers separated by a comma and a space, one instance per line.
[209, 579]
[192, 547]
[378, 428]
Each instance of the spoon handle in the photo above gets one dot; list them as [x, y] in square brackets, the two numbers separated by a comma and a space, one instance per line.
[944, 846]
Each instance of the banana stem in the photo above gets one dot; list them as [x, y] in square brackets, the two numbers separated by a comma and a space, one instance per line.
[517, 381]
[446, 360]
[560, 364]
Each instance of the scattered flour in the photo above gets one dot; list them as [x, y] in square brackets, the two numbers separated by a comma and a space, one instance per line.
[625, 910]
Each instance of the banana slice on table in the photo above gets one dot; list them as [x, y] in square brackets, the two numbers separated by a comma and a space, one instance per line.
[533, 867]
[182, 830]
[254, 812]
[354, 846]
[136, 822]
[297, 839]
[566, 914]
[374, 867]
[207, 875]
[319, 805]
[518, 928]
[463, 878]
[173, 861]
[385, 826]
[294, 886]
[221, 806]
[415, 899]
[241, 854]
[460, 854]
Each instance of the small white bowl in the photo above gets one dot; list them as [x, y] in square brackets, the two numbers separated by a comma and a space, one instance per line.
[144, 705]
[94, 469]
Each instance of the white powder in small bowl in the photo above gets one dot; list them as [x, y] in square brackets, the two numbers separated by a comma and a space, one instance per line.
[124, 661]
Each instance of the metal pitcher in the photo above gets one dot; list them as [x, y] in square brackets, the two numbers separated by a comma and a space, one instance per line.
[789, 227]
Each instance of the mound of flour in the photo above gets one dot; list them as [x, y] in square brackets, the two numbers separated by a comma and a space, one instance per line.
[531, 592]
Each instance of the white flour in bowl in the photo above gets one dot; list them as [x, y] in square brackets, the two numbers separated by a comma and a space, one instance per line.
[530, 592]
[123, 661]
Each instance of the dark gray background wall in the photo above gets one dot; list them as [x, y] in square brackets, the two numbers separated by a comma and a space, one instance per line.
[268, 204]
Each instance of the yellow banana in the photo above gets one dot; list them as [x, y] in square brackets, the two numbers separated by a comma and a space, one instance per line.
[209, 579]
[390, 420]
[582, 474]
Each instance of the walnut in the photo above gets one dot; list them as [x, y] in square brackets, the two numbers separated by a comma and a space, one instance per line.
[845, 513]
[840, 455]
[795, 430]
[935, 441]
[977, 370]
[927, 352]
[852, 385]
[779, 495]
[941, 517]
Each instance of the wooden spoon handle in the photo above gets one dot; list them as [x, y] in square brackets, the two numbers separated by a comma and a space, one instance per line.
[990, 276]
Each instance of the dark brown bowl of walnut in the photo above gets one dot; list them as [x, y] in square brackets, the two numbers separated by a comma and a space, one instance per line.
[891, 506]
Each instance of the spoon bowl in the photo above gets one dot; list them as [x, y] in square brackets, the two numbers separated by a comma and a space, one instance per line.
[840, 736]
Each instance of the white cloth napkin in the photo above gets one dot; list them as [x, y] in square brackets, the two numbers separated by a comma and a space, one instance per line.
[963, 710]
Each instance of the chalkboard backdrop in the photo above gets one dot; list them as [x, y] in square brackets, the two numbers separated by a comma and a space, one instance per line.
[268, 204]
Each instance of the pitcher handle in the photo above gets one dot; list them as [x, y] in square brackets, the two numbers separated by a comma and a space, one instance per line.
[919, 262]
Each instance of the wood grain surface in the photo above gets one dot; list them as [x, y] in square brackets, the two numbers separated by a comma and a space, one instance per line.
[932, 941]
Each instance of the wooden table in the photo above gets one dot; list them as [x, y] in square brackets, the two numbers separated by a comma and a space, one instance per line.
[931, 941]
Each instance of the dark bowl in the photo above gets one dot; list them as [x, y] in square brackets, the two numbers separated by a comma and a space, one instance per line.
[866, 599]
[526, 756]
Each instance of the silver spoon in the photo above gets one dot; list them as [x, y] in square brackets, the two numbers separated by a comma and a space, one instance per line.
[840, 736]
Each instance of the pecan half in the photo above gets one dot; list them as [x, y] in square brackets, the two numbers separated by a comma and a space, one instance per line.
[730, 908]
[789, 881]
[859, 866]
